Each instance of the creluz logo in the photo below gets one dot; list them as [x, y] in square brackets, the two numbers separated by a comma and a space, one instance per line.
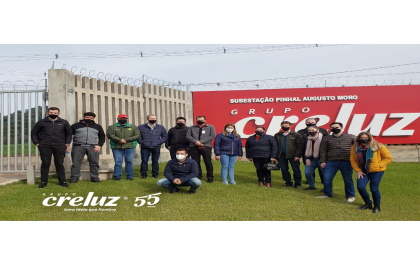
[108, 201]
[90, 200]
[345, 113]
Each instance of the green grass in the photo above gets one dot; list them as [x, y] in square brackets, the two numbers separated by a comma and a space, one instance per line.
[19, 149]
[242, 202]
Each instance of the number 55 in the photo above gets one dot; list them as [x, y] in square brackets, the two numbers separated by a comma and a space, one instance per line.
[142, 201]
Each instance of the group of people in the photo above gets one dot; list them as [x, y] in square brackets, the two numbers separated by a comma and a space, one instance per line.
[313, 145]
[53, 136]
[329, 153]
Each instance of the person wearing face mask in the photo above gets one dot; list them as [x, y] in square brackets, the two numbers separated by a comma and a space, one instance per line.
[180, 172]
[311, 156]
[200, 137]
[52, 136]
[228, 148]
[290, 147]
[153, 135]
[335, 156]
[369, 159]
[123, 138]
[88, 138]
[304, 132]
[261, 149]
[177, 137]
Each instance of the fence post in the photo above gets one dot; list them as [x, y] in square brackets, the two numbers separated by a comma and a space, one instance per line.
[62, 94]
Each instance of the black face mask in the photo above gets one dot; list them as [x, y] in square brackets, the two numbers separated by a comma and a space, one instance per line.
[312, 133]
[200, 122]
[364, 141]
[259, 132]
[53, 116]
[122, 121]
[88, 121]
[310, 124]
[152, 121]
[285, 128]
[335, 130]
[180, 124]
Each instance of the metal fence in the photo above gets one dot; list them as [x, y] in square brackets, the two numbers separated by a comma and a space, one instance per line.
[22, 104]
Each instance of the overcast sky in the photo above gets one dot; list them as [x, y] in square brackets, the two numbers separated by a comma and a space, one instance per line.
[16, 63]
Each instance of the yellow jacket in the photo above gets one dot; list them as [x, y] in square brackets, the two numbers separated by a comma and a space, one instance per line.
[381, 158]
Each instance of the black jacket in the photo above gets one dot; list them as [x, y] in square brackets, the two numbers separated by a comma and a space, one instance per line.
[48, 132]
[177, 138]
[265, 147]
[294, 144]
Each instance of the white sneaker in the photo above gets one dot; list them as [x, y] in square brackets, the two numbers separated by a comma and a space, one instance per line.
[322, 196]
[351, 199]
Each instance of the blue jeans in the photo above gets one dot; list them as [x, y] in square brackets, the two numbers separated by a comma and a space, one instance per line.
[310, 169]
[127, 155]
[194, 184]
[375, 179]
[346, 172]
[145, 155]
[228, 162]
[297, 175]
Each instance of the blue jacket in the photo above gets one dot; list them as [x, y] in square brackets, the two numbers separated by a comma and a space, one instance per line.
[184, 171]
[265, 147]
[152, 138]
[223, 145]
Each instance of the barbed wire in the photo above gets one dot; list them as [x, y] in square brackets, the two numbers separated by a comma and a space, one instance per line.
[122, 79]
[36, 85]
[22, 85]
[301, 84]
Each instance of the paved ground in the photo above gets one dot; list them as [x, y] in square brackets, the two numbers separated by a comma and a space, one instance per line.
[11, 178]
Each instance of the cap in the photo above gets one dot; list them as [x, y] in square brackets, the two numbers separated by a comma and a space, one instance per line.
[122, 116]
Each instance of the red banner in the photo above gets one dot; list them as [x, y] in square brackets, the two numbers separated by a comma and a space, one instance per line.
[390, 113]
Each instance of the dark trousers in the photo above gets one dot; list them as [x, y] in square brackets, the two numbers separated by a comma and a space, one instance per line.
[196, 154]
[77, 155]
[145, 155]
[320, 172]
[46, 151]
[284, 165]
[263, 174]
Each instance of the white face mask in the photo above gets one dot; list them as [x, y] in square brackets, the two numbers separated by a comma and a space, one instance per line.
[180, 157]
[230, 130]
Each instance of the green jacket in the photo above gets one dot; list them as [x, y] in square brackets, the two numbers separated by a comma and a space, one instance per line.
[129, 133]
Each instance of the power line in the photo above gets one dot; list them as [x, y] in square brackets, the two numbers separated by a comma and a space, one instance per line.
[162, 53]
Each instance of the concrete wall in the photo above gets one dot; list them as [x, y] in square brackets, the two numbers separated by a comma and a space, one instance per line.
[75, 94]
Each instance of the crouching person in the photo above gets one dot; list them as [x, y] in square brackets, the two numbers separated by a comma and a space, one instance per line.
[180, 172]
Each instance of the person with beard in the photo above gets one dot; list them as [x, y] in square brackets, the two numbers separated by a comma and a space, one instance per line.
[335, 156]
[153, 135]
[261, 149]
[123, 138]
[88, 139]
[177, 137]
[369, 159]
[52, 136]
